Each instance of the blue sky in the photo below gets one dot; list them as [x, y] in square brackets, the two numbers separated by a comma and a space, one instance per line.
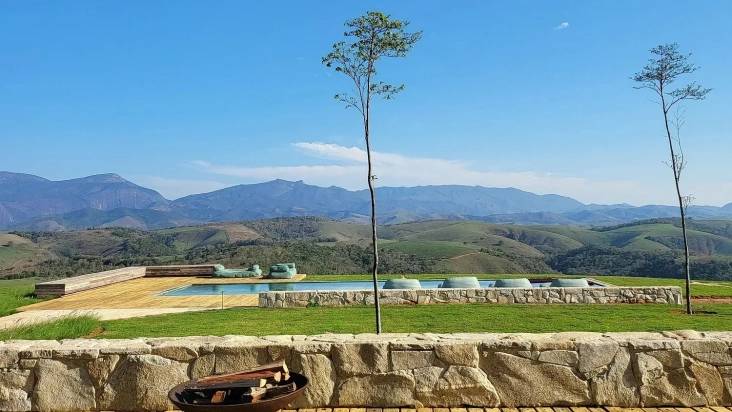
[190, 96]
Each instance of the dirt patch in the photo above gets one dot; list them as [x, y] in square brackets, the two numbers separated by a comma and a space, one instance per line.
[712, 299]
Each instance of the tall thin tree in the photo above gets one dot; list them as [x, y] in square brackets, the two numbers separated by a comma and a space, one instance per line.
[369, 38]
[665, 67]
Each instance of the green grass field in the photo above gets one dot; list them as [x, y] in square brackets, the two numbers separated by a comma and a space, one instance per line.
[64, 328]
[435, 318]
[14, 294]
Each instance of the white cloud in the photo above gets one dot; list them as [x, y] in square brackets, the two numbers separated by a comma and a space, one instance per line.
[563, 25]
[392, 169]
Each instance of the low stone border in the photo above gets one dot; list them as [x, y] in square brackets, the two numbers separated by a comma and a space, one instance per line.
[389, 370]
[299, 299]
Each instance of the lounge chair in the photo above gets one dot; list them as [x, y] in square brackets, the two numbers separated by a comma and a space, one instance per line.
[250, 272]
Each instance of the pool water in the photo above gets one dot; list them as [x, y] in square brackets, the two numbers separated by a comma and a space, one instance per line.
[254, 288]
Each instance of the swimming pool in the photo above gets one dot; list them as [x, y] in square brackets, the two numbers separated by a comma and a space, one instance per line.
[254, 288]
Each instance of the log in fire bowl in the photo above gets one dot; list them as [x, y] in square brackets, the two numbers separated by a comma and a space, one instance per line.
[264, 405]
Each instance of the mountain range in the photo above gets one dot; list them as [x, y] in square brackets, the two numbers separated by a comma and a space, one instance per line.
[34, 203]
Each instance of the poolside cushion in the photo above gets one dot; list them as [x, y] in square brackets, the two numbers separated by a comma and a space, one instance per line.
[570, 283]
[402, 284]
[513, 283]
[463, 282]
[250, 272]
[282, 271]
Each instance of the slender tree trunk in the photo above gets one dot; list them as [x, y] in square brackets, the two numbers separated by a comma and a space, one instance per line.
[372, 192]
[374, 238]
[677, 176]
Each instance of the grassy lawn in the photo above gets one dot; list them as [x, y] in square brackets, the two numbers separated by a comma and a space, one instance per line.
[64, 328]
[15, 293]
[435, 318]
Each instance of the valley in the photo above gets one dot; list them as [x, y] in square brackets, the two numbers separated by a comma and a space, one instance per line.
[326, 246]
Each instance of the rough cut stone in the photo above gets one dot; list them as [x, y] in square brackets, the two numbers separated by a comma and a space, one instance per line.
[523, 382]
[176, 350]
[426, 378]
[618, 386]
[15, 384]
[14, 400]
[202, 366]
[710, 381]
[458, 354]
[714, 352]
[411, 359]
[100, 368]
[658, 294]
[660, 387]
[142, 382]
[366, 358]
[459, 385]
[596, 354]
[623, 369]
[670, 359]
[235, 358]
[319, 370]
[379, 390]
[559, 357]
[62, 387]
[17, 379]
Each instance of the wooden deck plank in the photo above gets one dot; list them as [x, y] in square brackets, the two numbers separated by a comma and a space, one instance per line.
[144, 293]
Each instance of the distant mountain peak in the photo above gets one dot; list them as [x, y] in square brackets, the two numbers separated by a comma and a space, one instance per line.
[102, 178]
[110, 199]
[8, 177]
[26, 197]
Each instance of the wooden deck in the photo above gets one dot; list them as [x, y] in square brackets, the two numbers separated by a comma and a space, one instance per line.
[537, 409]
[144, 293]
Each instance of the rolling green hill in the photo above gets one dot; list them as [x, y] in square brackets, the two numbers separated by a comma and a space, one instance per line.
[320, 245]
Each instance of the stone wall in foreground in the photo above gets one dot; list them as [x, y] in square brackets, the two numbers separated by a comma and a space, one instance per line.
[621, 369]
[654, 294]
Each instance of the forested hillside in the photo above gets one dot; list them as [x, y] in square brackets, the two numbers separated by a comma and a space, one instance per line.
[318, 245]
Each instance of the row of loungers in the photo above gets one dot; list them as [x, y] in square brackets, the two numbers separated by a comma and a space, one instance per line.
[469, 282]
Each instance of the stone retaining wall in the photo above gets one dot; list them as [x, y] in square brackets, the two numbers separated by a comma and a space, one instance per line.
[655, 294]
[390, 370]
